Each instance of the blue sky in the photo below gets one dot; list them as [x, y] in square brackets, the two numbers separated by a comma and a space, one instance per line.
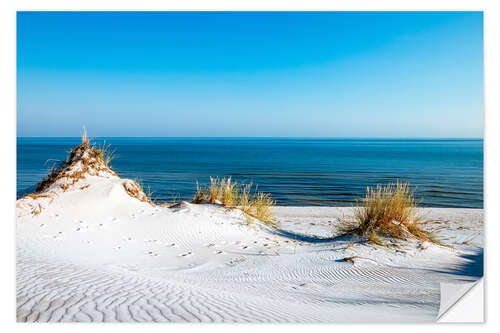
[337, 74]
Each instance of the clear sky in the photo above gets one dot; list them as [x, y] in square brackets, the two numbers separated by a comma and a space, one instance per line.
[337, 74]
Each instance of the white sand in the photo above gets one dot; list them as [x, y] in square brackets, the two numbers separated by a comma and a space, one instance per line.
[97, 254]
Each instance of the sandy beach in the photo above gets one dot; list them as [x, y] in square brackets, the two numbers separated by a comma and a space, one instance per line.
[89, 251]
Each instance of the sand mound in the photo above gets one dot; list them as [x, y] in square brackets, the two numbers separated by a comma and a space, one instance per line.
[85, 167]
[84, 160]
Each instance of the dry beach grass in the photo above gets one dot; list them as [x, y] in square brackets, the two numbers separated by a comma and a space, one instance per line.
[234, 195]
[86, 158]
[388, 211]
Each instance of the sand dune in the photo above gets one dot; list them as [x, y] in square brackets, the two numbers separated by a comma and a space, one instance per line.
[93, 252]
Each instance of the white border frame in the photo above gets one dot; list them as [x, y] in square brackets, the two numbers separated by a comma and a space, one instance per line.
[8, 133]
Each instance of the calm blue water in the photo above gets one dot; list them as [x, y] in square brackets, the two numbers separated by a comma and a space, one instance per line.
[447, 173]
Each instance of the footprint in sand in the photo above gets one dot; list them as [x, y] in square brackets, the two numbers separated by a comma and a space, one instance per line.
[236, 261]
[82, 224]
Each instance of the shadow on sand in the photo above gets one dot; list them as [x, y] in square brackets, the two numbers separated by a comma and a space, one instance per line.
[306, 238]
[473, 267]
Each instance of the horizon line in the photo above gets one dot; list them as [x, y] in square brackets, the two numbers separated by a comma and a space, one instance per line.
[256, 137]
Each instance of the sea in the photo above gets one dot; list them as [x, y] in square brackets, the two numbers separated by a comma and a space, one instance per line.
[295, 171]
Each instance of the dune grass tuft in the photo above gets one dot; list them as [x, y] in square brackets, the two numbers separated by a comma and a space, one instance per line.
[389, 211]
[92, 159]
[234, 195]
[85, 140]
[104, 152]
